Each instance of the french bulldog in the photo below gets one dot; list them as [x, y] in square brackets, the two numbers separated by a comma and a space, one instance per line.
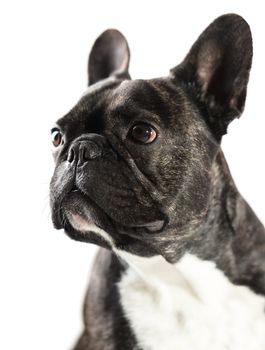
[140, 173]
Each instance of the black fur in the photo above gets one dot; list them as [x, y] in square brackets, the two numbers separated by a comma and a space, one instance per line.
[169, 197]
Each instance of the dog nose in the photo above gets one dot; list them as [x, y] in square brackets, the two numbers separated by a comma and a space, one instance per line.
[83, 151]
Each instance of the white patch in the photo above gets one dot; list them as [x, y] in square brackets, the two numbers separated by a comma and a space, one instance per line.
[189, 306]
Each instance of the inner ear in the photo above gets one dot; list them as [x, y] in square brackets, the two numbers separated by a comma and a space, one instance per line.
[208, 62]
[110, 56]
[218, 66]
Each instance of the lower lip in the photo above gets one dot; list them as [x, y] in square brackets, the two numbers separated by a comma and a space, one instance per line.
[79, 223]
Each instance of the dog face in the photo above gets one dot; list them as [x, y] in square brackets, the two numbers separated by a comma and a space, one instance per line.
[134, 157]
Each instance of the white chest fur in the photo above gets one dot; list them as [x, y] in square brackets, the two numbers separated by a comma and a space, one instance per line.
[189, 306]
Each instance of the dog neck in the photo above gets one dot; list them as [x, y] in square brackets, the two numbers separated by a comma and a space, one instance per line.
[231, 236]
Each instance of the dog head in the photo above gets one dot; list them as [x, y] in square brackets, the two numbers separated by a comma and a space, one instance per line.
[134, 157]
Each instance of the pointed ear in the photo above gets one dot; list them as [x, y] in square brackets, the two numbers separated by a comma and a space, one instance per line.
[110, 56]
[217, 69]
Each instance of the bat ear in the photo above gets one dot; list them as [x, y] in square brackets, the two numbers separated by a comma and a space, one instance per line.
[218, 67]
[110, 56]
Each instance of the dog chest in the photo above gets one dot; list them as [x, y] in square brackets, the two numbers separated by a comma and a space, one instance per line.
[190, 305]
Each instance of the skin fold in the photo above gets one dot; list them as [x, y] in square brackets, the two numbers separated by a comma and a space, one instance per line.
[165, 198]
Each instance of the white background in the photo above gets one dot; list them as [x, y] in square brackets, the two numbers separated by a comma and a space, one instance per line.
[44, 47]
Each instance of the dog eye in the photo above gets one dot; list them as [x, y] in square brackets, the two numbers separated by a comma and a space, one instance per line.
[57, 137]
[143, 133]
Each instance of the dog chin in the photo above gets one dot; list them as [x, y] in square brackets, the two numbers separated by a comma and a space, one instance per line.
[82, 214]
[84, 221]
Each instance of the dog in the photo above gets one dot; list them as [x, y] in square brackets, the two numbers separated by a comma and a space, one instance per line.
[140, 173]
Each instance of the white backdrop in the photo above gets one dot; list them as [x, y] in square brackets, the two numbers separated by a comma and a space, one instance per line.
[44, 49]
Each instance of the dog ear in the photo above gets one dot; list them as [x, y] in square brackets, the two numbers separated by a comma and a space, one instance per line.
[217, 69]
[110, 56]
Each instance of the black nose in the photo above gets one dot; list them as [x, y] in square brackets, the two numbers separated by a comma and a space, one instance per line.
[84, 150]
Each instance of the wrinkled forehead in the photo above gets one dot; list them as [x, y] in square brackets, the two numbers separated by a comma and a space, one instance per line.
[127, 99]
[155, 96]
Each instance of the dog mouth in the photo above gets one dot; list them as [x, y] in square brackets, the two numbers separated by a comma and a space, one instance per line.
[80, 223]
[79, 211]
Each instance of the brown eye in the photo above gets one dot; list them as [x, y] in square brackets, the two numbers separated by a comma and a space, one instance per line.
[56, 137]
[143, 133]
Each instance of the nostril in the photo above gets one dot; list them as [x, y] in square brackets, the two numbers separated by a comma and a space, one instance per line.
[91, 151]
[71, 155]
[83, 151]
